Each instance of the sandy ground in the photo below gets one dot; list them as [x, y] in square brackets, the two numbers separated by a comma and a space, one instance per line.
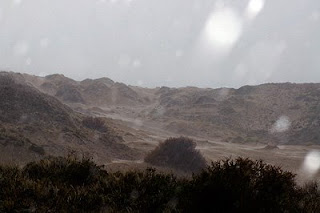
[150, 133]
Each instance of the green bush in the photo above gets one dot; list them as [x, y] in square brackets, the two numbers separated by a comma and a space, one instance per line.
[241, 185]
[63, 170]
[37, 149]
[310, 198]
[146, 191]
[178, 153]
[72, 185]
[95, 124]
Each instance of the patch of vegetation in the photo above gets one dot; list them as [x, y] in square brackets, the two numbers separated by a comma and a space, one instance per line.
[13, 138]
[178, 153]
[95, 123]
[242, 185]
[37, 149]
[68, 184]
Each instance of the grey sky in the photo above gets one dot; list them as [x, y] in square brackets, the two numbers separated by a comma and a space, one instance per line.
[162, 42]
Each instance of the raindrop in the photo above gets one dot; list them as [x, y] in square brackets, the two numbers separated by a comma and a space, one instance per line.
[160, 111]
[311, 162]
[223, 93]
[17, 2]
[281, 125]
[179, 53]
[28, 61]
[44, 42]
[136, 63]
[223, 28]
[21, 48]
[124, 60]
[315, 16]
[254, 8]
[1, 14]
[42, 74]
[138, 122]
[240, 72]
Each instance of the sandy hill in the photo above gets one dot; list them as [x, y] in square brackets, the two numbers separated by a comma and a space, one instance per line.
[102, 92]
[41, 116]
[278, 113]
[281, 113]
[34, 124]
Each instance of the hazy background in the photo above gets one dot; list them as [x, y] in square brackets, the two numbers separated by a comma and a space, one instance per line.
[150, 43]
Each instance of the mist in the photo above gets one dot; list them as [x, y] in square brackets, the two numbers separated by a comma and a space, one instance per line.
[163, 43]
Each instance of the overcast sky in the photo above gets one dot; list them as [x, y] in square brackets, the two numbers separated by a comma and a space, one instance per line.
[204, 43]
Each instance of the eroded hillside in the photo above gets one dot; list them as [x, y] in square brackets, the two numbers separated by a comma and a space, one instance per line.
[34, 124]
[283, 113]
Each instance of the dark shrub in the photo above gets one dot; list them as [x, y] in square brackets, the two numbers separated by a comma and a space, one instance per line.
[37, 149]
[146, 191]
[63, 170]
[95, 124]
[310, 198]
[241, 185]
[71, 185]
[65, 185]
[177, 153]
[15, 191]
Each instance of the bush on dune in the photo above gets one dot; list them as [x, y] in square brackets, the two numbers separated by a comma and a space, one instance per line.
[177, 153]
[95, 123]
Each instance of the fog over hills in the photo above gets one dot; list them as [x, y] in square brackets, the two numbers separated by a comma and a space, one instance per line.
[208, 43]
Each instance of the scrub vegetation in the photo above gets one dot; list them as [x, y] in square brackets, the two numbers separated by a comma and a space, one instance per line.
[68, 184]
[177, 153]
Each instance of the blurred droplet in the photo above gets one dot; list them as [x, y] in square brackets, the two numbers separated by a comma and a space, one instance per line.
[311, 163]
[1, 14]
[240, 72]
[44, 42]
[315, 16]
[134, 195]
[254, 8]
[179, 53]
[219, 4]
[124, 60]
[169, 79]
[159, 111]
[223, 28]
[43, 74]
[23, 118]
[17, 2]
[21, 48]
[223, 93]
[129, 1]
[281, 125]
[28, 61]
[136, 63]
[138, 122]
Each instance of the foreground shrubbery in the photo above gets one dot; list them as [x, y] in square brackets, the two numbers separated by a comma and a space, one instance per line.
[71, 185]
